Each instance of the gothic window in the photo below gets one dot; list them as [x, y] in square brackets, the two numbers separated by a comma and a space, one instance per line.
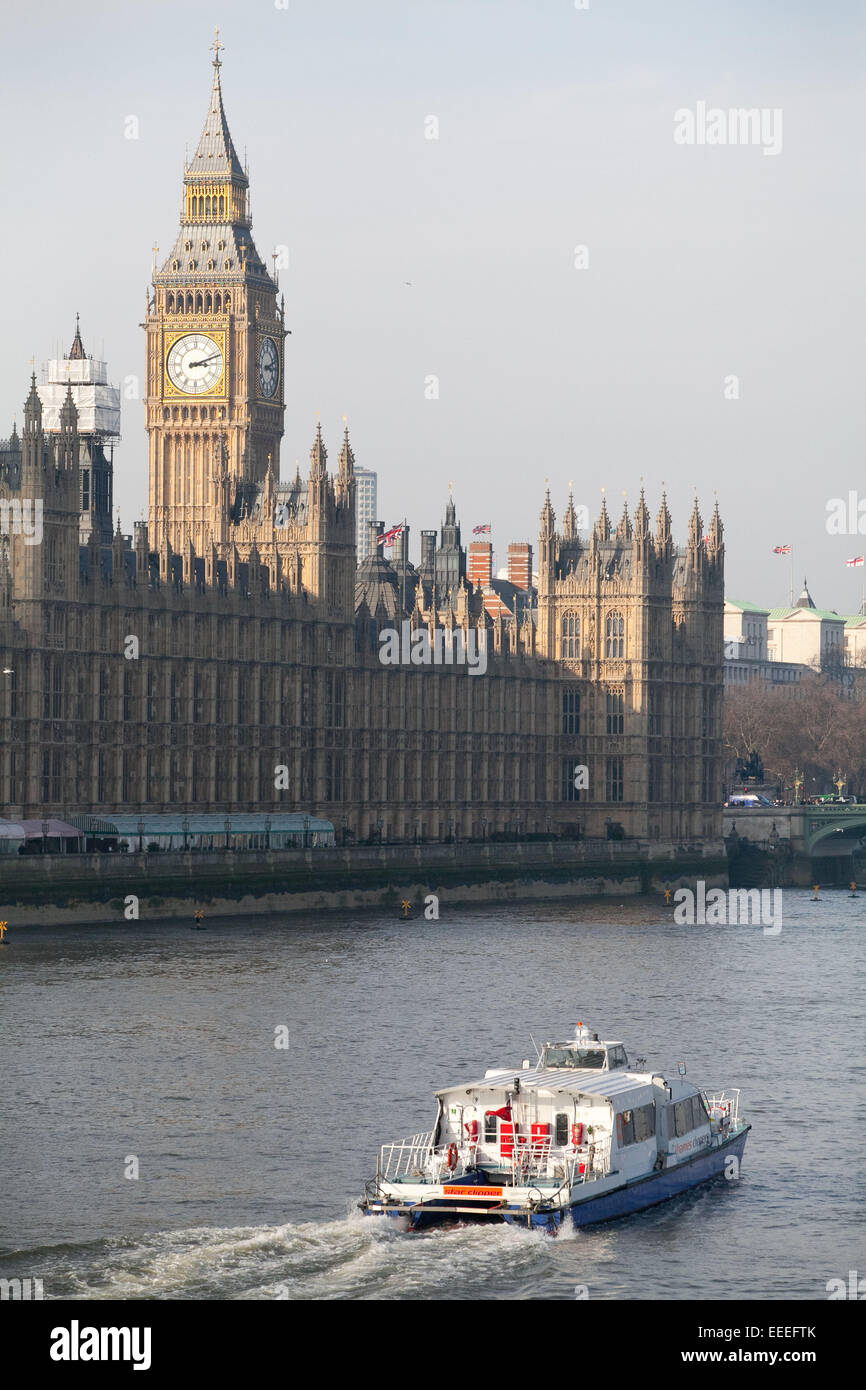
[189, 303]
[221, 246]
[571, 711]
[221, 205]
[198, 304]
[615, 711]
[208, 302]
[169, 303]
[207, 206]
[190, 265]
[204, 246]
[217, 302]
[570, 636]
[210, 266]
[614, 645]
[175, 265]
[85, 489]
[569, 792]
[613, 780]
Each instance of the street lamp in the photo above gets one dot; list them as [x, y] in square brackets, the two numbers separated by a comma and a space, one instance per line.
[798, 782]
[228, 825]
[140, 829]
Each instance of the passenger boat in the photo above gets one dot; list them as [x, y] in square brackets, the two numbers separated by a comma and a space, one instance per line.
[583, 1134]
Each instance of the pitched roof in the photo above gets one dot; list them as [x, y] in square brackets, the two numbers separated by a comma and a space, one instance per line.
[216, 154]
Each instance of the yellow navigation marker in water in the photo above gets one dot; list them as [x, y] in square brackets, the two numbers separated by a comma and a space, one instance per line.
[667, 893]
[405, 906]
[853, 887]
[814, 892]
[3, 926]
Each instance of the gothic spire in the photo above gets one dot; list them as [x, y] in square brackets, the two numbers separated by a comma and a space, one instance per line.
[548, 516]
[318, 455]
[641, 517]
[696, 526]
[663, 524]
[624, 530]
[347, 458]
[76, 352]
[602, 526]
[32, 409]
[569, 521]
[216, 153]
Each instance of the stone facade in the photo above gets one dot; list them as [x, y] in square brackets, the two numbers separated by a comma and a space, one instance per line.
[228, 658]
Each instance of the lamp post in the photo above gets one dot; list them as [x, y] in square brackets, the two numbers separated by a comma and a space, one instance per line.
[306, 832]
[798, 782]
[140, 829]
[228, 826]
[267, 832]
[185, 833]
[839, 782]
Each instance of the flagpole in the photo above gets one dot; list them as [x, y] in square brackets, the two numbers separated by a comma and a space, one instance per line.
[792, 577]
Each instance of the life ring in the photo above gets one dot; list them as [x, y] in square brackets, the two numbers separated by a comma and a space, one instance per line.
[451, 1160]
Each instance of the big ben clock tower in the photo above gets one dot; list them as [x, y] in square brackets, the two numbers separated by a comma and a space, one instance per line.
[215, 337]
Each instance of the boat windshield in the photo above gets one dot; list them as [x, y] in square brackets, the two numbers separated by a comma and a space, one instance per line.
[588, 1057]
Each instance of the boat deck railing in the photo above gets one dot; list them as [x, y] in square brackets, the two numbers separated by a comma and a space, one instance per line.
[724, 1106]
[527, 1162]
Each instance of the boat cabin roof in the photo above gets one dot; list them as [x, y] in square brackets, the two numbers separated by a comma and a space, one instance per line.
[623, 1089]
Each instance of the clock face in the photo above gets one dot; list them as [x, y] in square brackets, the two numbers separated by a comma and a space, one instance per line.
[195, 363]
[269, 367]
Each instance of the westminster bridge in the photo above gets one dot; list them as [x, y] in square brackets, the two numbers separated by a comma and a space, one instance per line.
[818, 841]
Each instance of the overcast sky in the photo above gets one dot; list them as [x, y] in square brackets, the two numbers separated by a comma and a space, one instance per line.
[556, 130]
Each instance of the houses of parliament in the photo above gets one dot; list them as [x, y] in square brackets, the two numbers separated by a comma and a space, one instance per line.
[226, 655]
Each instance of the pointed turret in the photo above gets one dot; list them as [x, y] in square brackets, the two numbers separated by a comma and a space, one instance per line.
[696, 526]
[347, 458]
[33, 409]
[68, 414]
[318, 455]
[663, 527]
[717, 533]
[216, 153]
[569, 521]
[548, 517]
[76, 352]
[602, 526]
[624, 530]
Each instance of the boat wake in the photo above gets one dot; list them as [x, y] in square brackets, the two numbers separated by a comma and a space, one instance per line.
[355, 1258]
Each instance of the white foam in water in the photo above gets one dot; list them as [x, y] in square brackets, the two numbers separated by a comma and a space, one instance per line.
[354, 1258]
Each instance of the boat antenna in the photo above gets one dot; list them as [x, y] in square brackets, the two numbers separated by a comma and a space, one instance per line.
[535, 1045]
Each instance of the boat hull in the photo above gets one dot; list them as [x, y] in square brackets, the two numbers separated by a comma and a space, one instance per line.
[659, 1187]
[634, 1196]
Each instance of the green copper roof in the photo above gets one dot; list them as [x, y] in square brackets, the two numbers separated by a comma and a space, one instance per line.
[745, 605]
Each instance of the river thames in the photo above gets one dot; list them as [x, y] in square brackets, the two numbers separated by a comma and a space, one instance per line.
[152, 1048]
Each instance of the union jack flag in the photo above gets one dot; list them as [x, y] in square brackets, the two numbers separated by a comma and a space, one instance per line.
[388, 537]
[781, 550]
[481, 530]
[858, 560]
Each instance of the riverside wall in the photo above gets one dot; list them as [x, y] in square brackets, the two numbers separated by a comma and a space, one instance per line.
[55, 890]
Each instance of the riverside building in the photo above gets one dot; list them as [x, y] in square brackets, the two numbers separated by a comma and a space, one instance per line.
[226, 657]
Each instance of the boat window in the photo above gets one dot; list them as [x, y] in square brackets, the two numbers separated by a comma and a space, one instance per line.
[689, 1114]
[489, 1128]
[616, 1057]
[582, 1057]
[644, 1123]
[627, 1127]
[561, 1133]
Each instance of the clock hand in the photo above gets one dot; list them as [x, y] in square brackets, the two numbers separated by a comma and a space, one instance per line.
[205, 360]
